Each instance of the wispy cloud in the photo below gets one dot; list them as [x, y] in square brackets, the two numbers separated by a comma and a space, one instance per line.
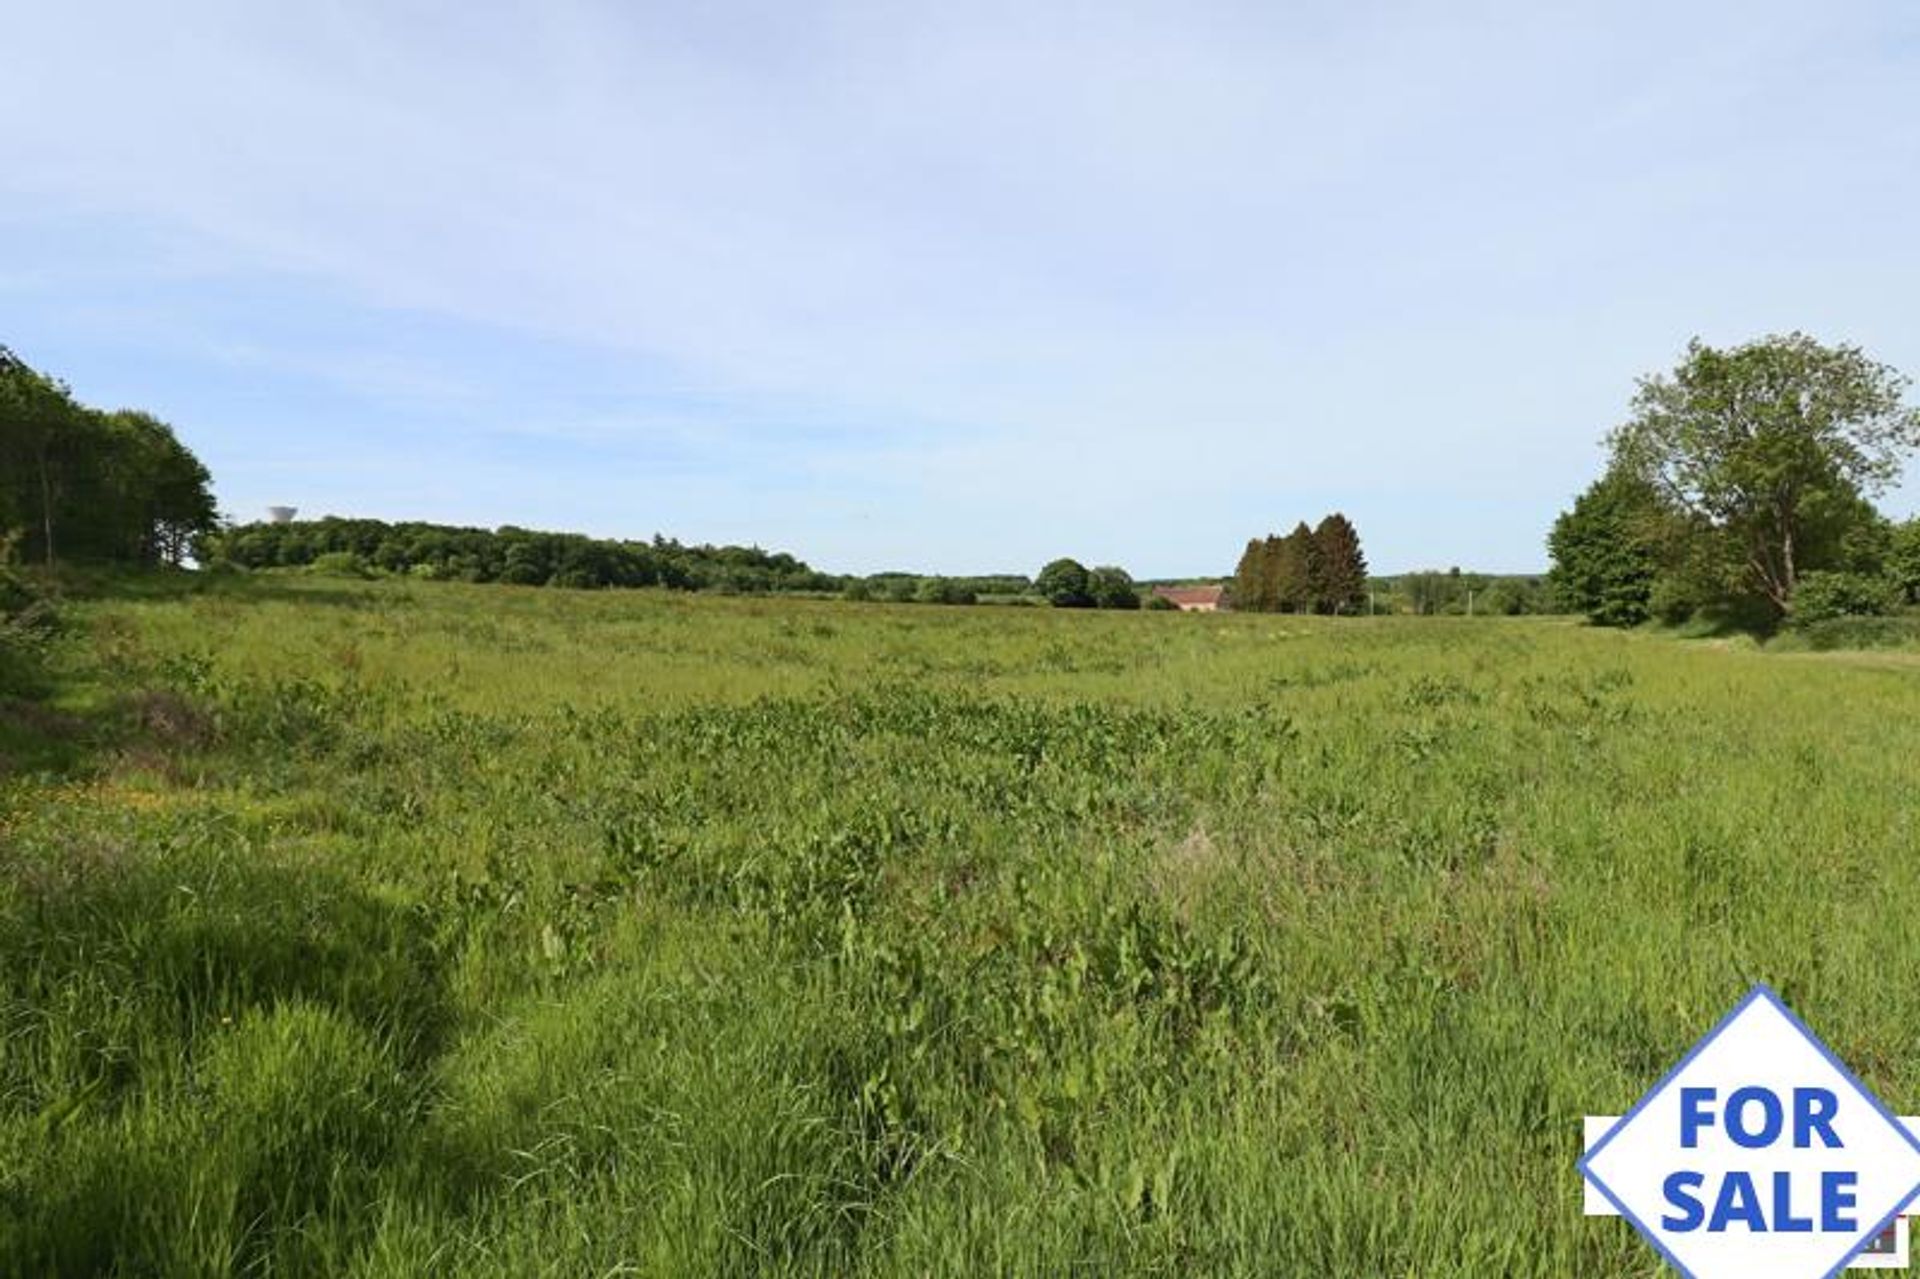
[1134, 280]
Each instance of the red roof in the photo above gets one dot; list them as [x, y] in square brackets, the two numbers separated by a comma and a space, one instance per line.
[1190, 594]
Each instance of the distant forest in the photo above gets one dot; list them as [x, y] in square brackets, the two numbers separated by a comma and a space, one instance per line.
[523, 557]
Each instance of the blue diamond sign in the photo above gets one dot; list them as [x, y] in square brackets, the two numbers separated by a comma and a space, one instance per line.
[1759, 1154]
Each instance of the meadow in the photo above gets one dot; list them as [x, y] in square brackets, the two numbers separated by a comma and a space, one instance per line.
[403, 928]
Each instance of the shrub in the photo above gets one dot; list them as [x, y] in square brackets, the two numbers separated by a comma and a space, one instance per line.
[18, 596]
[339, 564]
[26, 618]
[1821, 597]
[1747, 612]
[1161, 604]
[1855, 633]
[1903, 558]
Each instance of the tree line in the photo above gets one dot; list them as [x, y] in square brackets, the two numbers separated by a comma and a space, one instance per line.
[439, 552]
[1740, 490]
[518, 556]
[1452, 592]
[80, 483]
[1310, 570]
[920, 588]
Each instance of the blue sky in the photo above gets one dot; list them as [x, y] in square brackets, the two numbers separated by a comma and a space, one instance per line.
[952, 287]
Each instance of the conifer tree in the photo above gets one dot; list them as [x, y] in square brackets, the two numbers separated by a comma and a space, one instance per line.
[1247, 596]
[1273, 572]
[1293, 569]
[1341, 568]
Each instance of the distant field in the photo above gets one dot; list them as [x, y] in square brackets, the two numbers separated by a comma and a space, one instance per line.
[409, 929]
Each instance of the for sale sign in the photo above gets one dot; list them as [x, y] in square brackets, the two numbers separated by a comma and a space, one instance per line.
[1759, 1154]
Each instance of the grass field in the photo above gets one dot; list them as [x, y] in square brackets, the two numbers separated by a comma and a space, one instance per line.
[410, 929]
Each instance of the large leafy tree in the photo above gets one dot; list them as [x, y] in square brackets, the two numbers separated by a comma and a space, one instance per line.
[1606, 550]
[1112, 587]
[1340, 569]
[1064, 583]
[1765, 444]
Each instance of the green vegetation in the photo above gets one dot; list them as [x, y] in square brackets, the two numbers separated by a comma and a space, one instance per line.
[1606, 550]
[1067, 583]
[520, 557]
[1903, 558]
[1063, 583]
[1454, 593]
[365, 549]
[397, 928]
[913, 588]
[358, 919]
[1823, 596]
[1852, 632]
[25, 619]
[1311, 570]
[77, 483]
[1112, 587]
[1742, 477]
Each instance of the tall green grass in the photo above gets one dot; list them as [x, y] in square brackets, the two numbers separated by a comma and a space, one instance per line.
[401, 928]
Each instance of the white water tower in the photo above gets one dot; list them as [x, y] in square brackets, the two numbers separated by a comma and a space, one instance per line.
[282, 514]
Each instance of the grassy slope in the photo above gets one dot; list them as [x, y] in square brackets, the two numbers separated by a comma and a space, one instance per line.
[429, 929]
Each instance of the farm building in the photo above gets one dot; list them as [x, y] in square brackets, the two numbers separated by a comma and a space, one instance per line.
[1192, 599]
